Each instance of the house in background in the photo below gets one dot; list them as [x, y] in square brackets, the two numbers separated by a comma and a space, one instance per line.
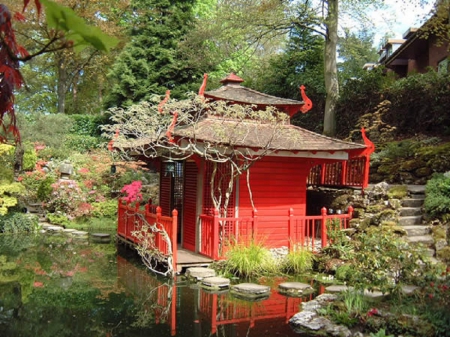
[415, 53]
[274, 210]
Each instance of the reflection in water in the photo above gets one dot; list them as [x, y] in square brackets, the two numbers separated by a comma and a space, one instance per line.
[56, 286]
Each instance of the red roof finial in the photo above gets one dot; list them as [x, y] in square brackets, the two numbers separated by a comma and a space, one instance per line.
[231, 79]
[308, 103]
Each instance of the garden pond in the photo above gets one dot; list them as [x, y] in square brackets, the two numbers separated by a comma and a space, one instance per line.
[54, 285]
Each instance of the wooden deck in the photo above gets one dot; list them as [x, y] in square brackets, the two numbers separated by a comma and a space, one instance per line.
[186, 259]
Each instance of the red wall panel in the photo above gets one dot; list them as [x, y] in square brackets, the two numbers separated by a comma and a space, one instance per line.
[190, 206]
[277, 184]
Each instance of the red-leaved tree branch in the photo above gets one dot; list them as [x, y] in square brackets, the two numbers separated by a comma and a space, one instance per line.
[60, 20]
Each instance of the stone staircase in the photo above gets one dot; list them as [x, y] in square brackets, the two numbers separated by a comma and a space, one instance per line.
[411, 218]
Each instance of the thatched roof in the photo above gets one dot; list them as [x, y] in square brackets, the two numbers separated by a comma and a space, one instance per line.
[259, 135]
[232, 91]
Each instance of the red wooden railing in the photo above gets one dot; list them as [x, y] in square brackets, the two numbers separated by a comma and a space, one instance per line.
[353, 172]
[131, 218]
[308, 231]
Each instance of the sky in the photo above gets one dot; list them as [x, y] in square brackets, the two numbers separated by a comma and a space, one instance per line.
[398, 17]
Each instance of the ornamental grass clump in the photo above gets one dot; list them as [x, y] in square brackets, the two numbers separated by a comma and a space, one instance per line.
[249, 261]
[298, 261]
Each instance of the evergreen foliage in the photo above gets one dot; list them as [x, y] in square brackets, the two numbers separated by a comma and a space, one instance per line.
[151, 63]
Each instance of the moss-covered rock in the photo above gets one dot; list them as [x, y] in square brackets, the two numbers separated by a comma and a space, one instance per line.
[411, 165]
[397, 192]
[444, 254]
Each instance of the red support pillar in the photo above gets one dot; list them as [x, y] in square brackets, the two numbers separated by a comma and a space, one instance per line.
[291, 233]
[323, 169]
[215, 236]
[173, 240]
[324, 227]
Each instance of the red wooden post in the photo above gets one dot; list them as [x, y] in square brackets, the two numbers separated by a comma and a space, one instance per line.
[291, 230]
[324, 227]
[322, 174]
[215, 236]
[344, 173]
[173, 239]
[255, 225]
[350, 215]
[158, 221]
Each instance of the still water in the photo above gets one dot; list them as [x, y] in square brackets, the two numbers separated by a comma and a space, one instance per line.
[58, 286]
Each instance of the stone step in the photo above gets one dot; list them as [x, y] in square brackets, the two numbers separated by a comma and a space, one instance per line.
[410, 211]
[412, 202]
[410, 220]
[417, 230]
[416, 189]
[423, 239]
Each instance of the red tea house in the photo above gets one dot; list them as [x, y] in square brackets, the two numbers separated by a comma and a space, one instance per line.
[260, 193]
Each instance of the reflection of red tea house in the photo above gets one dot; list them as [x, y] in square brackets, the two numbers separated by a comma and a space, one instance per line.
[274, 210]
[203, 310]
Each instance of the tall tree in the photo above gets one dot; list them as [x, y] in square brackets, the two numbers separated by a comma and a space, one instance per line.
[355, 49]
[262, 20]
[151, 62]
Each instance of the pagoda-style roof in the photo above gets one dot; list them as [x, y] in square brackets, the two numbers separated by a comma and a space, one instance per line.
[250, 134]
[234, 92]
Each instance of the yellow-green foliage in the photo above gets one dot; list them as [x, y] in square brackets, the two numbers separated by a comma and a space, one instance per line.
[29, 159]
[8, 193]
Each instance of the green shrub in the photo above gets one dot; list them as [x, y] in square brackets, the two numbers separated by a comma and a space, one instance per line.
[6, 162]
[81, 143]
[58, 219]
[106, 209]
[88, 125]
[18, 223]
[45, 189]
[437, 200]
[384, 261]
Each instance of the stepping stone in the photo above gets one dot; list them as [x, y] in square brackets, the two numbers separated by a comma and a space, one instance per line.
[373, 294]
[251, 291]
[80, 234]
[199, 273]
[216, 282]
[295, 288]
[409, 289]
[54, 228]
[338, 288]
[101, 237]
[69, 230]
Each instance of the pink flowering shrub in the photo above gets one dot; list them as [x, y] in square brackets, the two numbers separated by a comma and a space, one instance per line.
[68, 198]
[132, 191]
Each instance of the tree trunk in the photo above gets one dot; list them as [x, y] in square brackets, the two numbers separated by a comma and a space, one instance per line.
[62, 82]
[331, 79]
